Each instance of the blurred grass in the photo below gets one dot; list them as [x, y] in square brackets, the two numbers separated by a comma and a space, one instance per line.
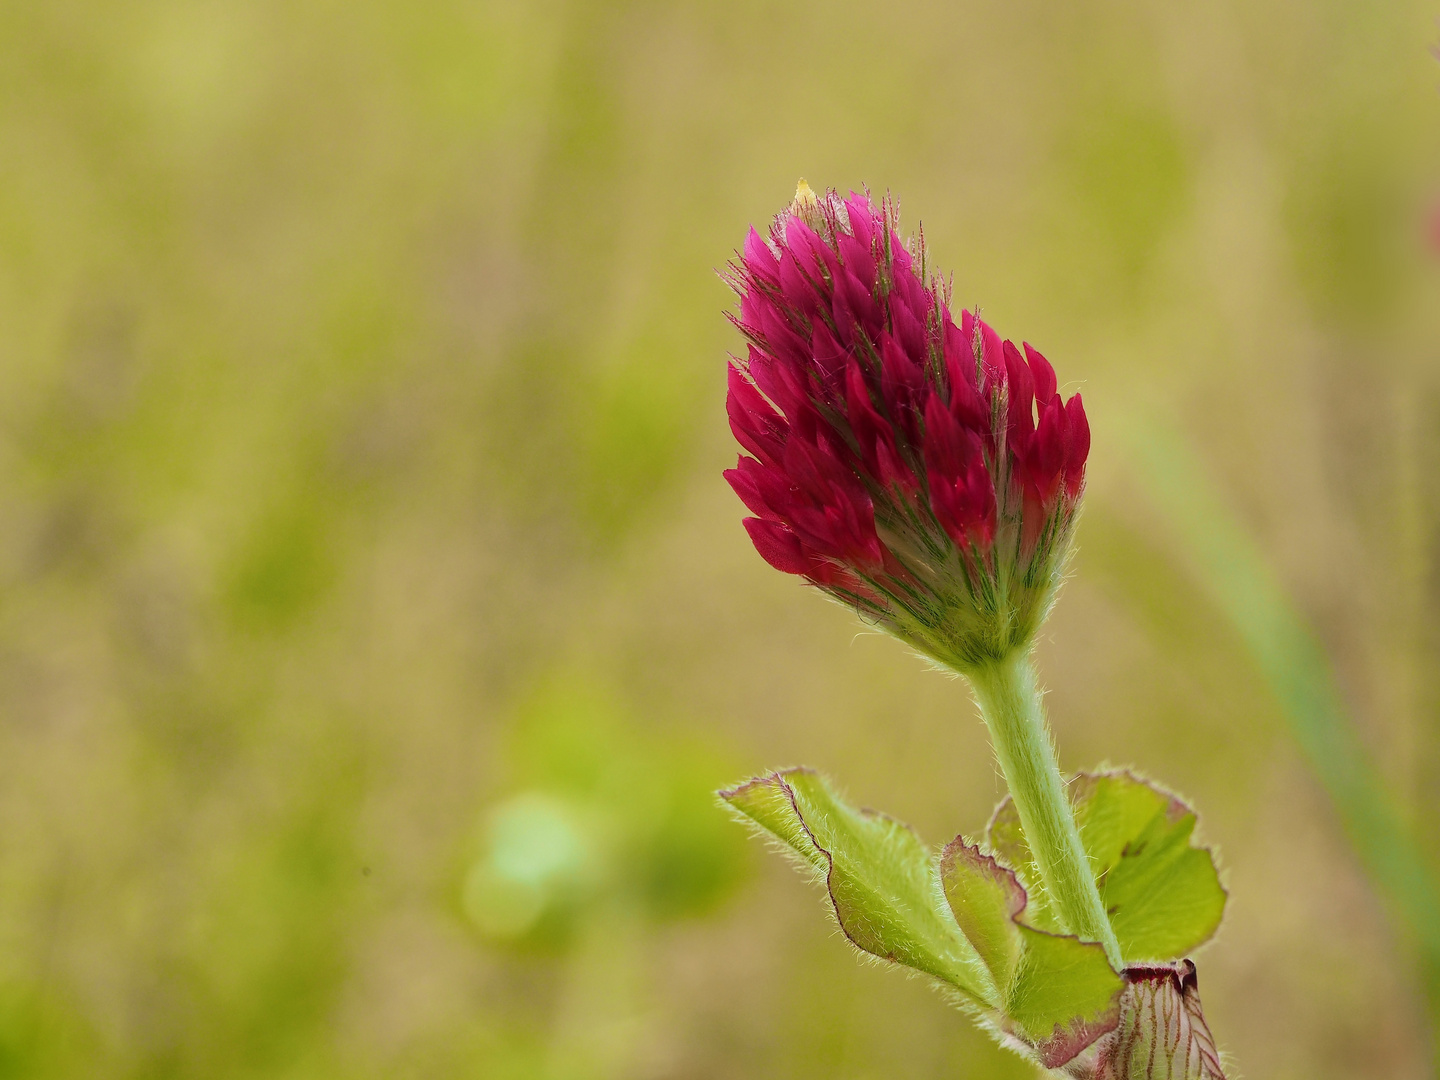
[360, 429]
[1235, 575]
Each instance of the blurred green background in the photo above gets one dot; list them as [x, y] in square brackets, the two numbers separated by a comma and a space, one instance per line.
[375, 623]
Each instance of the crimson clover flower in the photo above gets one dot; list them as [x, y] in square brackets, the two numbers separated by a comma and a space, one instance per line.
[924, 473]
[928, 474]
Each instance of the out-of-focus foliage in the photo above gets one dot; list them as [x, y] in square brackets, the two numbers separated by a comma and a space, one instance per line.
[1285, 652]
[374, 621]
[618, 824]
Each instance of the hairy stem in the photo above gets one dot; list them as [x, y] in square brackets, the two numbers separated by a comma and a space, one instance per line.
[1010, 703]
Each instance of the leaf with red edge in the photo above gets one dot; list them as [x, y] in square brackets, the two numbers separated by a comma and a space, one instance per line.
[881, 878]
[1163, 893]
[1057, 993]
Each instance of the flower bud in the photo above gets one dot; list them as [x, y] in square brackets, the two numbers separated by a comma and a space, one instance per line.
[925, 473]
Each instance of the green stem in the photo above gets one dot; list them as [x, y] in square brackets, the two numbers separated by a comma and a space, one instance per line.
[1010, 703]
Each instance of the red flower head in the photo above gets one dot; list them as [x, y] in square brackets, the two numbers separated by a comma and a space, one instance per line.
[925, 473]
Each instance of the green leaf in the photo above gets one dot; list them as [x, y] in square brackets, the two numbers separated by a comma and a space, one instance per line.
[985, 899]
[1006, 838]
[880, 876]
[1163, 894]
[1057, 993]
[1065, 997]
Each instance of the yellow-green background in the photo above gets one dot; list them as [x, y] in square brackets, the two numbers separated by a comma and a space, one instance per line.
[361, 427]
